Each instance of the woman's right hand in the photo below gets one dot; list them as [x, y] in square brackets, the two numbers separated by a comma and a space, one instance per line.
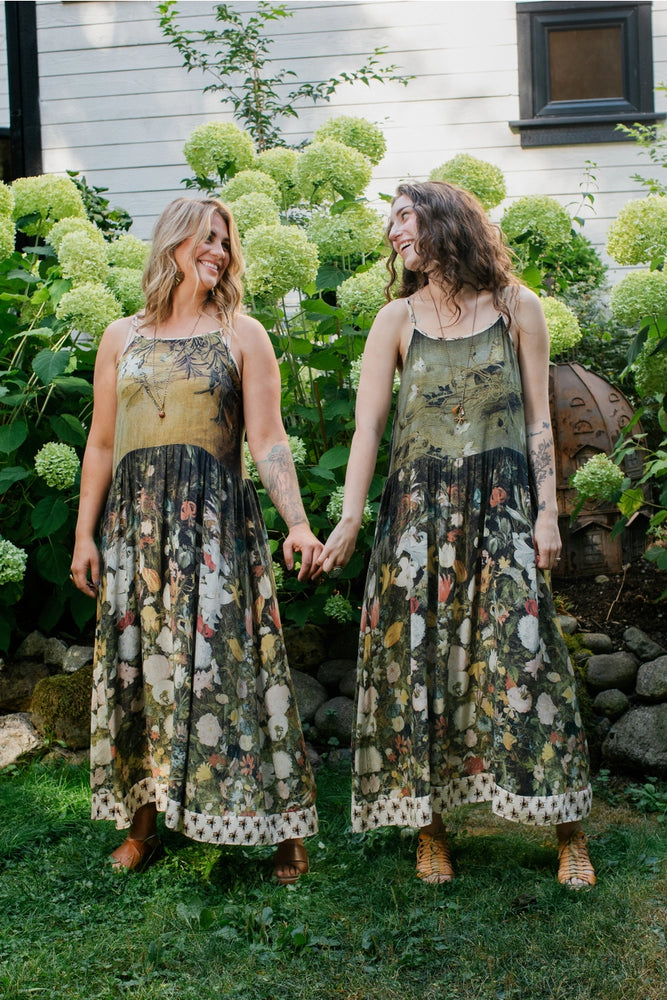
[339, 548]
[85, 568]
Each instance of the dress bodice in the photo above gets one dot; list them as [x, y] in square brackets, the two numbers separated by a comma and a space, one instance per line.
[478, 375]
[194, 381]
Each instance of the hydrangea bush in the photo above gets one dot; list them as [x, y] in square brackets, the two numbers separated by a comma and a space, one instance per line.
[220, 149]
[485, 180]
[639, 235]
[562, 324]
[54, 305]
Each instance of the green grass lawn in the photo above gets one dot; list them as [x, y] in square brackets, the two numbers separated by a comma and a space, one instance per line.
[208, 922]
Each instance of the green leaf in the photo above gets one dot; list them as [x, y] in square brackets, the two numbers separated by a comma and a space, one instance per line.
[52, 611]
[12, 436]
[329, 276]
[532, 276]
[47, 364]
[325, 360]
[50, 514]
[335, 457]
[322, 473]
[53, 562]
[631, 501]
[321, 307]
[12, 474]
[72, 385]
[82, 608]
[69, 429]
[636, 345]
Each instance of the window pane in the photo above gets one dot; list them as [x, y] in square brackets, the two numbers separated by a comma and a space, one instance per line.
[585, 64]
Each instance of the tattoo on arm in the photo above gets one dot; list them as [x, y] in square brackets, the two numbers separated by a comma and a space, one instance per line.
[541, 457]
[277, 473]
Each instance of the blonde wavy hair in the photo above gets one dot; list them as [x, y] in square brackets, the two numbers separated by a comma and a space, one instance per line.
[182, 219]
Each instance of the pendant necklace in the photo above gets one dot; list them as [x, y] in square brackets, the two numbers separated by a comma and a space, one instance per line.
[459, 410]
[152, 391]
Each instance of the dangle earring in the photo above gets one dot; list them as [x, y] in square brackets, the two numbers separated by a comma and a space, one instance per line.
[178, 278]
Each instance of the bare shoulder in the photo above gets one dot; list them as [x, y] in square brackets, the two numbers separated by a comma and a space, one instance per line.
[114, 339]
[526, 309]
[251, 342]
[248, 332]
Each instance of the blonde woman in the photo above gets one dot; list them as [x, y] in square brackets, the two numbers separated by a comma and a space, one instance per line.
[193, 709]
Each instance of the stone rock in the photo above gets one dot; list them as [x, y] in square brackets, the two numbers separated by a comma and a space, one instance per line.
[641, 645]
[597, 642]
[601, 578]
[61, 707]
[568, 624]
[612, 670]
[306, 646]
[348, 683]
[54, 652]
[17, 683]
[314, 758]
[32, 647]
[77, 657]
[611, 703]
[331, 672]
[309, 694]
[652, 680]
[17, 736]
[637, 743]
[335, 718]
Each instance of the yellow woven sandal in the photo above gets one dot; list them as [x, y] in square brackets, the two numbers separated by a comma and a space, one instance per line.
[434, 862]
[574, 865]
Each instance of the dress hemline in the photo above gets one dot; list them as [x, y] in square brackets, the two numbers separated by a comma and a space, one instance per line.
[414, 811]
[236, 829]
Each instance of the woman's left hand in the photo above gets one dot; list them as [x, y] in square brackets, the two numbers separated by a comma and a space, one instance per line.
[301, 539]
[546, 538]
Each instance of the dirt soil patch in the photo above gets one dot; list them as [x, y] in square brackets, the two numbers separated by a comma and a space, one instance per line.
[611, 603]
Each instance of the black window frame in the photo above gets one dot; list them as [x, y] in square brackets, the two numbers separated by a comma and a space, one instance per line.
[548, 123]
[25, 127]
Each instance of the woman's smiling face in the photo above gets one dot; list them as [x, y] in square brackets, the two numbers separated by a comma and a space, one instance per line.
[403, 232]
[208, 259]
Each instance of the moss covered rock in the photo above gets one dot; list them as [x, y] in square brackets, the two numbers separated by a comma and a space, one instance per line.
[61, 707]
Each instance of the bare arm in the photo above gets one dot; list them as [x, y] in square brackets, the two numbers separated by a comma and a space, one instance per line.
[96, 470]
[379, 363]
[268, 444]
[534, 362]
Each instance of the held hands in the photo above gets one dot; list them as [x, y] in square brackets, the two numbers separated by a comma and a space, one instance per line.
[339, 548]
[85, 569]
[301, 539]
[546, 539]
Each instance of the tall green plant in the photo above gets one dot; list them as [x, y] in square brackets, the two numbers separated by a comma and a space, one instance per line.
[55, 301]
[237, 53]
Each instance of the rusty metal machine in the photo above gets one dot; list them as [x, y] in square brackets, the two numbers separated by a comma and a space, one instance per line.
[588, 415]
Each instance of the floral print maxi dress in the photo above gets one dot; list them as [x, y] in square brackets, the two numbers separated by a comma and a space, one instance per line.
[193, 706]
[465, 689]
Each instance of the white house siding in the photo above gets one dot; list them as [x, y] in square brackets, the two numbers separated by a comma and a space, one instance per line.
[117, 105]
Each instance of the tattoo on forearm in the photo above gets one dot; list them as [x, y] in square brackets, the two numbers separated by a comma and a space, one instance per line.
[277, 473]
[541, 455]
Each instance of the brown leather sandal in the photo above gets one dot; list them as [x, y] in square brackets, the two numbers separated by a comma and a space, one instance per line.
[290, 854]
[434, 862]
[136, 855]
[574, 865]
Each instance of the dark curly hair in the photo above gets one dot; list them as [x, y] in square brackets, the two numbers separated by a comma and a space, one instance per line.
[460, 243]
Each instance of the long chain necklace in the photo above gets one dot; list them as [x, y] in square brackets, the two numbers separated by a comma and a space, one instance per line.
[459, 410]
[152, 391]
